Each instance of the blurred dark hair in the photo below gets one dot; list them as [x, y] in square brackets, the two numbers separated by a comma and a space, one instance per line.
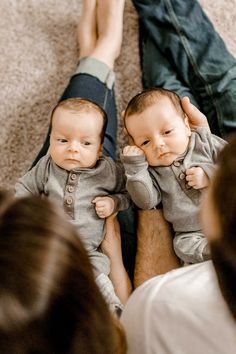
[49, 302]
[223, 248]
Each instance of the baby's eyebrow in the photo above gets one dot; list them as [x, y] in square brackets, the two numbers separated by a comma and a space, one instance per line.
[88, 137]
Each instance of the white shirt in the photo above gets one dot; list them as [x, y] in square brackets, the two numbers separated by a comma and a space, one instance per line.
[181, 312]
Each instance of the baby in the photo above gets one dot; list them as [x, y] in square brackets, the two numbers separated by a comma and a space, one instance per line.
[171, 164]
[74, 174]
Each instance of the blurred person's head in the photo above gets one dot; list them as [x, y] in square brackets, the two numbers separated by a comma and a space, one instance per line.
[49, 302]
[219, 222]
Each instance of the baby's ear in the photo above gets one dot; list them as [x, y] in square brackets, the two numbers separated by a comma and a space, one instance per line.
[125, 131]
[122, 114]
[130, 139]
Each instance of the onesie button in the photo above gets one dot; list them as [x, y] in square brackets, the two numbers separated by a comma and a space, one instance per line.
[176, 163]
[69, 200]
[182, 175]
[70, 189]
[187, 186]
[73, 176]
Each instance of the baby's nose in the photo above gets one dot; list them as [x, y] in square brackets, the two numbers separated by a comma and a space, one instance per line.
[158, 142]
[74, 146]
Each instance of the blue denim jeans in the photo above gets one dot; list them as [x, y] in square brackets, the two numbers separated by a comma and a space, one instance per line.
[181, 51]
[89, 85]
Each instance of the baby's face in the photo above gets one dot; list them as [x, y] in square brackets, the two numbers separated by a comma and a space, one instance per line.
[160, 131]
[75, 138]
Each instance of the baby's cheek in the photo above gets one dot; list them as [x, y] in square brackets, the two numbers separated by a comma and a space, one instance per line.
[150, 158]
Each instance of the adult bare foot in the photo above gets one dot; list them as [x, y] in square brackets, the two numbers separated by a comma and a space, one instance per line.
[87, 28]
[109, 30]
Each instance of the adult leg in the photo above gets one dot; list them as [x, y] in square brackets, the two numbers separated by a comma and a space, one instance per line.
[187, 39]
[157, 69]
[155, 253]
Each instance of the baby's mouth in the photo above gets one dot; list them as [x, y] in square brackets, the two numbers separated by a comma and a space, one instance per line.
[72, 159]
[162, 154]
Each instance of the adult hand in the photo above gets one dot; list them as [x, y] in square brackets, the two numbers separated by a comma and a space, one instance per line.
[196, 118]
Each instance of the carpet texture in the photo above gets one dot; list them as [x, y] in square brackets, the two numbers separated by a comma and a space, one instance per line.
[39, 54]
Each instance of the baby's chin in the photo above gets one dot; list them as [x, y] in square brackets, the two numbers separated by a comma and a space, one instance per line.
[72, 165]
[68, 165]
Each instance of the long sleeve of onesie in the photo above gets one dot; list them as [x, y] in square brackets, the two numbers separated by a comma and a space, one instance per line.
[139, 183]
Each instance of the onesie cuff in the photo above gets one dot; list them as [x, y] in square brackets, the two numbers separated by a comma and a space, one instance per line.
[134, 164]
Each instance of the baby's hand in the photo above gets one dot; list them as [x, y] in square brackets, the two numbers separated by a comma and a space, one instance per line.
[104, 206]
[197, 178]
[132, 150]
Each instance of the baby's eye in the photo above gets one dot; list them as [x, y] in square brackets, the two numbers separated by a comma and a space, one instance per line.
[166, 132]
[145, 142]
[87, 143]
[62, 140]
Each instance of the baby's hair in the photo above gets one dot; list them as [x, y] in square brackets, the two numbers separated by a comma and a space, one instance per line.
[82, 105]
[49, 301]
[151, 96]
[223, 248]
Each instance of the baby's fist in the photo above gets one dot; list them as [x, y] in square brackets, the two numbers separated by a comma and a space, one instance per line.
[197, 178]
[132, 150]
[104, 206]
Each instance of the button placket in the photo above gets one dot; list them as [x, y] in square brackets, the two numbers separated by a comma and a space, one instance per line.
[69, 196]
[69, 200]
[72, 176]
[187, 186]
[176, 163]
[180, 175]
[70, 188]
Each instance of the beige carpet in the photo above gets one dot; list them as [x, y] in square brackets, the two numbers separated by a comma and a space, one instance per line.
[38, 55]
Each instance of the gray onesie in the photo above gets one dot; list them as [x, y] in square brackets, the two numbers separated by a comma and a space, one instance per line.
[74, 191]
